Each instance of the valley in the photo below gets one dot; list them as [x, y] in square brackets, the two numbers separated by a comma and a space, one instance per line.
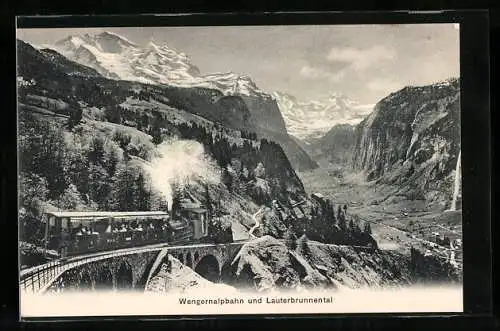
[397, 223]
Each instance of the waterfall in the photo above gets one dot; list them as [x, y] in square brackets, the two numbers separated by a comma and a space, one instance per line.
[456, 187]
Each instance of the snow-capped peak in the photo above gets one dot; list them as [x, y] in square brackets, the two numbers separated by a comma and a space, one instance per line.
[116, 57]
[312, 119]
[112, 35]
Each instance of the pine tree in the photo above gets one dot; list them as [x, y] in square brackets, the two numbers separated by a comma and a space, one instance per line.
[96, 152]
[99, 184]
[357, 231]
[290, 239]
[303, 246]
[144, 122]
[208, 203]
[367, 229]
[156, 130]
[75, 117]
[331, 212]
[351, 226]
[227, 179]
[113, 114]
[143, 195]
[157, 137]
[341, 220]
[124, 192]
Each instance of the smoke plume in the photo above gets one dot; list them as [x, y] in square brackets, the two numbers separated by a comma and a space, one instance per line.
[181, 162]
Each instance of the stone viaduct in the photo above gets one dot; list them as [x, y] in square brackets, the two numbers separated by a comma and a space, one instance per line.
[129, 269]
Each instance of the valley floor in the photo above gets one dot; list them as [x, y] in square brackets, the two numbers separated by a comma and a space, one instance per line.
[397, 223]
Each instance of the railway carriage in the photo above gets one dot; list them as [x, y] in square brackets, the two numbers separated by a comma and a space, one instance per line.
[74, 233]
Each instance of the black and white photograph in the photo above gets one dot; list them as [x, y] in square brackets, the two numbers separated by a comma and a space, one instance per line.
[265, 169]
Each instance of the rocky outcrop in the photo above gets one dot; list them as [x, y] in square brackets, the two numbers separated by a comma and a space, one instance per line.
[412, 140]
[179, 278]
[266, 264]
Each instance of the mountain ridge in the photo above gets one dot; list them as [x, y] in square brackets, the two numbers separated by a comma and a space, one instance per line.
[310, 120]
[159, 64]
[117, 57]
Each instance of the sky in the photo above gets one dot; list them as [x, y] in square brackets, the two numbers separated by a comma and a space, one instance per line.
[363, 62]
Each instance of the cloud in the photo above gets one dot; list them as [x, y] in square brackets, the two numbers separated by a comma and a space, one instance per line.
[360, 59]
[308, 71]
[383, 85]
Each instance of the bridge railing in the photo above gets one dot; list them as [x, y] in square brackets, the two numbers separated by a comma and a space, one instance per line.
[35, 281]
[38, 278]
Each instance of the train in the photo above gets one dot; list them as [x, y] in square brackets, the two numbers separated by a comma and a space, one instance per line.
[71, 233]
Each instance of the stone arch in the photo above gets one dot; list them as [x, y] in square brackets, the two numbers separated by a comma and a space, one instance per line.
[124, 276]
[104, 279]
[196, 257]
[227, 274]
[245, 280]
[208, 268]
[189, 260]
[85, 283]
[141, 282]
[70, 280]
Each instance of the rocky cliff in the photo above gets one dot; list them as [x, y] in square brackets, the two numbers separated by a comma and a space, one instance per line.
[412, 140]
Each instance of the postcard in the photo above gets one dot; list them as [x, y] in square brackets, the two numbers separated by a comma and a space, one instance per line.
[273, 169]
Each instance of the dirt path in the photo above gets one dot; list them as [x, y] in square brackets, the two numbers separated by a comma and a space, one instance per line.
[257, 223]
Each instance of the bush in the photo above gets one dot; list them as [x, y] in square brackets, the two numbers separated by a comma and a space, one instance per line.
[303, 246]
[290, 239]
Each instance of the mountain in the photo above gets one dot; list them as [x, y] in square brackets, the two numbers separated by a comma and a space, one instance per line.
[412, 139]
[116, 57]
[87, 142]
[336, 146]
[53, 62]
[310, 120]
